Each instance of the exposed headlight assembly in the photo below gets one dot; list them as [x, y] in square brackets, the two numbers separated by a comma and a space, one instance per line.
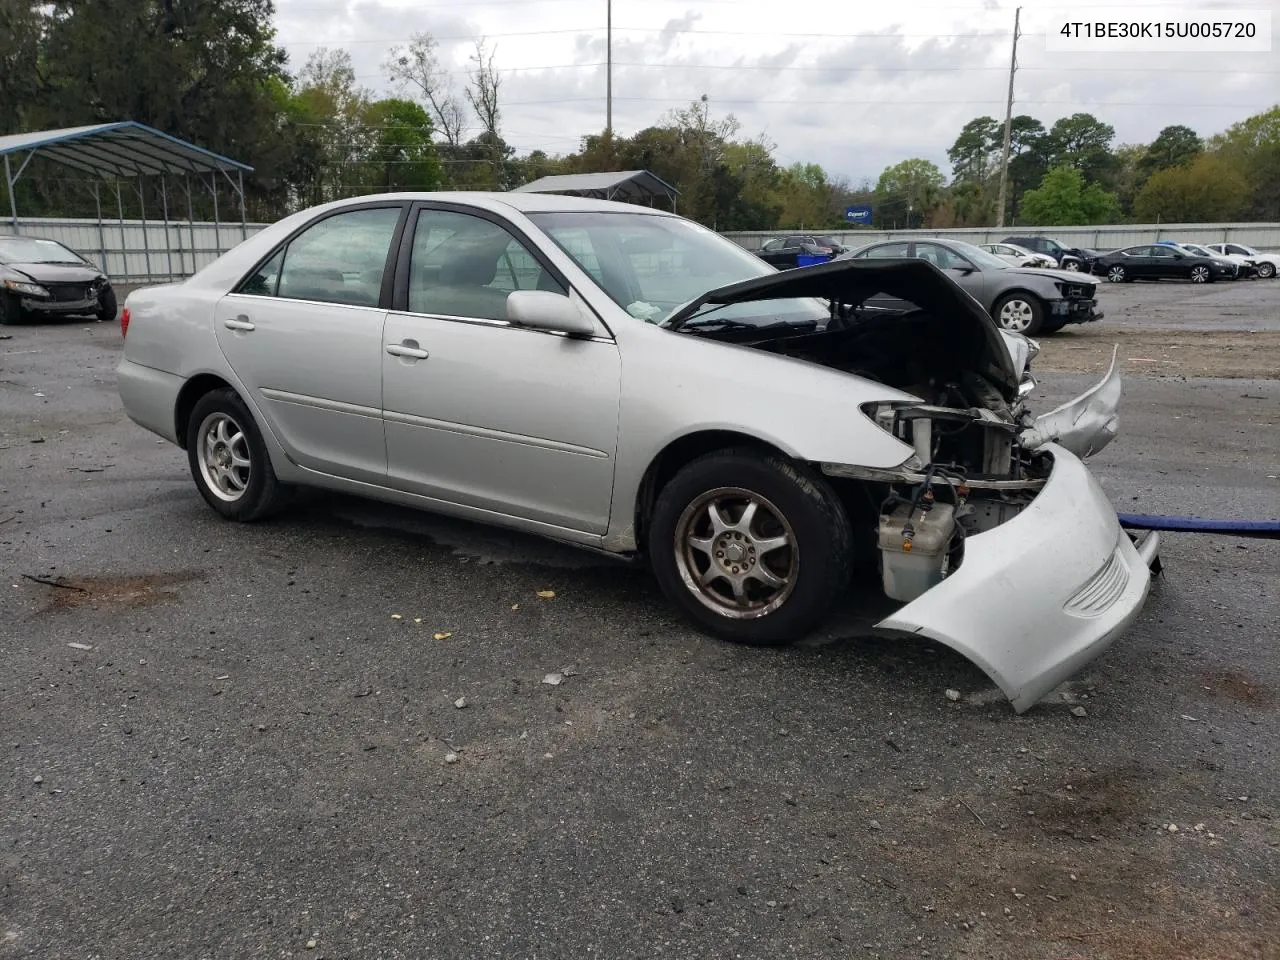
[28, 289]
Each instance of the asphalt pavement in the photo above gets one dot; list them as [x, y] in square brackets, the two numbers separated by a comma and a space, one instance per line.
[246, 741]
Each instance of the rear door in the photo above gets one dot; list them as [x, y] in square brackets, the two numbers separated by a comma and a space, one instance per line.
[303, 332]
[1164, 262]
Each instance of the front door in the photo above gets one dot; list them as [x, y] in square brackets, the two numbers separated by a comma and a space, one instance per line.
[304, 335]
[483, 413]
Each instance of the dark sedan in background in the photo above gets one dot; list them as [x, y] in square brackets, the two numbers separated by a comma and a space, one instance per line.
[1161, 262]
[1067, 258]
[785, 252]
[1026, 300]
[42, 278]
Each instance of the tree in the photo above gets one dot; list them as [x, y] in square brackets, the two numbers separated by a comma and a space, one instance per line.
[417, 66]
[21, 84]
[1208, 189]
[976, 152]
[1172, 147]
[1252, 146]
[1084, 142]
[906, 191]
[482, 93]
[402, 154]
[1128, 177]
[1064, 199]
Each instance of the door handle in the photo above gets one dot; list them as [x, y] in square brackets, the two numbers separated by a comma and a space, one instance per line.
[239, 323]
[408, 350]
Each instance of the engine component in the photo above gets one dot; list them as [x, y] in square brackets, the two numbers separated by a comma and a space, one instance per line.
[914, 544]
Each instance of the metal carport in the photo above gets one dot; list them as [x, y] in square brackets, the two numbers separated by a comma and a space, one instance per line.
[619, 185]
[121, 151]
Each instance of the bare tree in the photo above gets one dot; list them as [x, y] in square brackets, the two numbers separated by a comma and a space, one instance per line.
[418, 65]
[482, 92]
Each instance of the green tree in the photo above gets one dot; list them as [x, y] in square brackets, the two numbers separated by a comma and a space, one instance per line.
[402, 155]
[1128, 177]
[907, 191]
[1084, 142]
[21, 84]
[1252, 146]
[1208, 189]
[976, 152]
[1172, 147]
[1064, 199]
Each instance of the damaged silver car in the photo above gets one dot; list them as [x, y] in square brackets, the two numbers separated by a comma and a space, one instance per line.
[626, 380]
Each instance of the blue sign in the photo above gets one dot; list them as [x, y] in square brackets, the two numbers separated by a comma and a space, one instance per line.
[859, 213]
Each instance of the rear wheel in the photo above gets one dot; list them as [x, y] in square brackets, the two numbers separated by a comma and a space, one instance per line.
[1019, 313]
[1117, 274]
[228, 459]
[752, 547]
[1200, 275]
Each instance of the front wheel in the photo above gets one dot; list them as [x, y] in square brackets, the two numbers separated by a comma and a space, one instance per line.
[10, 312]
[752, 547]
[1266, 271]
[1117, 274]
[228, 459]
[1072, 265]
[1019, 313]
[106, 304]
[1200, 275]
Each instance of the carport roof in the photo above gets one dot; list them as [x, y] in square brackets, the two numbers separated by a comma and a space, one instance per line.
[621, 184]
[123, 149]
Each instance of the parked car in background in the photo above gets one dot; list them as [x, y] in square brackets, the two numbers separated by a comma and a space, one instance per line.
[42, 278]
[1244, 268]
[785, 252]
[1018, 256]
[1159, 262]
[1067, 258]
[629, 381]
[1267, 263]
[1026, 300]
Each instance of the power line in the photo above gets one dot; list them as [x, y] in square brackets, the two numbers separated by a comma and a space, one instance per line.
[684, 32]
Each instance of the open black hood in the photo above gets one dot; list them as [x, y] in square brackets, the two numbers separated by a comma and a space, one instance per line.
[853, 281]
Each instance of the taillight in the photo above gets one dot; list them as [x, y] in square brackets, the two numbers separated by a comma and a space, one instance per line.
[124, 322]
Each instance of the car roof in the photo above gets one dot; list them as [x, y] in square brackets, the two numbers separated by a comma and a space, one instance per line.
[523, 202]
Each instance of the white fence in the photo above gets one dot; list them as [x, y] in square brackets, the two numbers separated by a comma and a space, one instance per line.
[1264, 236]
[129, 253]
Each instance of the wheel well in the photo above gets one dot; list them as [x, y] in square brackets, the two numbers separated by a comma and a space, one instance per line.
[676, 455]
[188, 397]
[1020, 292]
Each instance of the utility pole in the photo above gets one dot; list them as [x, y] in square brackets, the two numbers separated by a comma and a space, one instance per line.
[1008, 122]
[608, 70]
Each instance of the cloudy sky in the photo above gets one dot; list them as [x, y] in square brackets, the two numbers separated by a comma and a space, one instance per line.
[855, 85]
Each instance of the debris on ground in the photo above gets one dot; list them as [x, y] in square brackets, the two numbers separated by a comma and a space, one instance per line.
[80, 646]
[1079, 712]
[450, 758]
[953, 695]
[547, 594]
[443, 635]
[461, 703]
[553, 679]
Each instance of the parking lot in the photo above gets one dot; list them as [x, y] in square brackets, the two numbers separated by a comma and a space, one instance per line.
[233, 741]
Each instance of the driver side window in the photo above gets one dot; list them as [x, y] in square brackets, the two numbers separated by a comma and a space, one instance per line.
[886, 251]
[940, 256]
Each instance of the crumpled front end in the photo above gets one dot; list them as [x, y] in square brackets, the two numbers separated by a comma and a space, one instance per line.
[1042, 594]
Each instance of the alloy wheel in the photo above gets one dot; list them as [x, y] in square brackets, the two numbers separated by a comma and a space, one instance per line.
[1115, 274]
[736, 553]
[223, 455]
[1200, 275]
[1017, 315]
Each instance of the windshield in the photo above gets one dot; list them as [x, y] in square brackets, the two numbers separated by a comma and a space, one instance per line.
[30, 250]
[988, 261]
[650, 264]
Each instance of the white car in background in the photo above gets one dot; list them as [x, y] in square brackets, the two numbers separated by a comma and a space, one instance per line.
[1267, 263]
[1019, 256]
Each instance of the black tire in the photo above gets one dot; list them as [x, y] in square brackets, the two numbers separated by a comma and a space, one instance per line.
[107, 304]
[10, 312]
[1029, 316]
[259, 494]
[813, 523]
[1266, 271]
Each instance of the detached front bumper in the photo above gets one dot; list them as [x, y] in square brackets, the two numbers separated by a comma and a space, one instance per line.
[1038, 597]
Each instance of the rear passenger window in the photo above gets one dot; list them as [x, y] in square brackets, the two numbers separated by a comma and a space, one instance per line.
[886, 251]
[464, 266]
[338, 260]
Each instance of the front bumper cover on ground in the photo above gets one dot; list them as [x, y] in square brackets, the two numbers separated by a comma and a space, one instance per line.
[1038, 597]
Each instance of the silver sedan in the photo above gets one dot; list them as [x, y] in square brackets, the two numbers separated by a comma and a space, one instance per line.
[626, 380]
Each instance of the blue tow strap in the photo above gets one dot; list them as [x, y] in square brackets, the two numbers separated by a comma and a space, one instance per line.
[1261, 529]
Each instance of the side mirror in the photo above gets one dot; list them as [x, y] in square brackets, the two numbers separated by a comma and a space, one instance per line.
[544, 310]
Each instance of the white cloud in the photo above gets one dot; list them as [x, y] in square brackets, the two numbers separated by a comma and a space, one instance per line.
[855, 86]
